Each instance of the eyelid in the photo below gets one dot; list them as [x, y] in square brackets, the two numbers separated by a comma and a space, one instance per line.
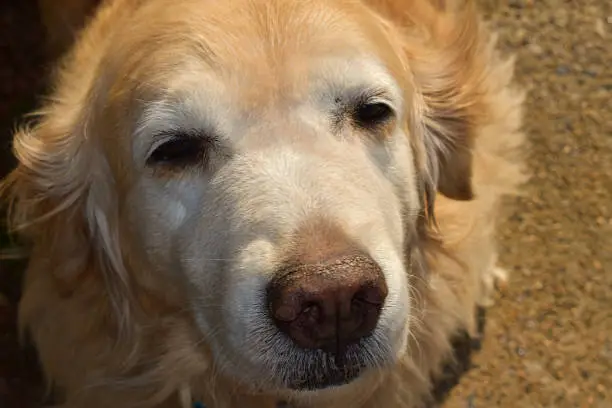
[160, 139]
[378, 97]
[374, 95]
[168, 135]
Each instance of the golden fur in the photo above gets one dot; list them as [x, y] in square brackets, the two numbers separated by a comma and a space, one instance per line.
[112, 332]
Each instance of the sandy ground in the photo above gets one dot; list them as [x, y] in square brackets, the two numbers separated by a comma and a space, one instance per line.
[549, 337]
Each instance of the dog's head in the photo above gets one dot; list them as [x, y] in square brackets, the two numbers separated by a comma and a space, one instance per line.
[270, 162]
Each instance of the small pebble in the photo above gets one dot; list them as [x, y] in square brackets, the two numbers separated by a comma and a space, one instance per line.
[600, 28]
[535, 49]
[562, 70]
[517, 3]
[471, 401]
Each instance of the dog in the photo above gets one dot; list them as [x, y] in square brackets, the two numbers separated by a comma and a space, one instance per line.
[247, 203]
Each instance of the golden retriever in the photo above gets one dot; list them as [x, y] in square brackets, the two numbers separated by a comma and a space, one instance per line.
[244, 203]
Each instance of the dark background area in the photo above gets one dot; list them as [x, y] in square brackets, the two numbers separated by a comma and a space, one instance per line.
[23, 71]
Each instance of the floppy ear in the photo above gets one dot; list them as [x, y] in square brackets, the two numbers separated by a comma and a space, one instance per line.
[445, 62]
[62, 202]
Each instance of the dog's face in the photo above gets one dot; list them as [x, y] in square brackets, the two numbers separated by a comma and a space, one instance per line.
[266, 159]
[273, 150]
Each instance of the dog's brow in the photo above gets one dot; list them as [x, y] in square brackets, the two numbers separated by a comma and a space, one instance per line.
[366, 94]
[168, 118]
[356, 77]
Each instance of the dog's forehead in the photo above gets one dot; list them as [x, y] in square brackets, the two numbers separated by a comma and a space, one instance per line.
[261, 48]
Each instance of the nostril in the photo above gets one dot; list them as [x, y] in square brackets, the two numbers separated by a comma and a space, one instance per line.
[374, 295]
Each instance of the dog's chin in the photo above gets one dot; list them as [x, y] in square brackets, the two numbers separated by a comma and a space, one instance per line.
[328, 378]
[315, 370]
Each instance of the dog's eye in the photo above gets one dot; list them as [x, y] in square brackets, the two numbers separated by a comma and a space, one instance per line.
[372, 114]
[180, 151]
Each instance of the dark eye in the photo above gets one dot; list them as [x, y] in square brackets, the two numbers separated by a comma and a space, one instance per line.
[180, 151]
[372, 114]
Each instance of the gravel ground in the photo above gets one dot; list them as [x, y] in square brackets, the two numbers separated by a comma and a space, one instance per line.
[548, 339]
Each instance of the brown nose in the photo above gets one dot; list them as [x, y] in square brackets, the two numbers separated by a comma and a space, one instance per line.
[328, 305]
